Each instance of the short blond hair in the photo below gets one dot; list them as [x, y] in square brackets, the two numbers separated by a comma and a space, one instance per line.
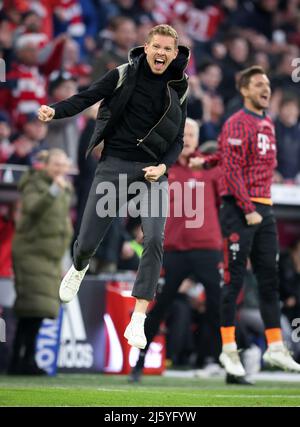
[44, 156]
[163, 30]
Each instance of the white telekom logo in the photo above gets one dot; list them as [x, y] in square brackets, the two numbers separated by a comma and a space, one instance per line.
[263, 143]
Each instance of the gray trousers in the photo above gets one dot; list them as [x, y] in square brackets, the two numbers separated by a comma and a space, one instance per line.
[117, 182]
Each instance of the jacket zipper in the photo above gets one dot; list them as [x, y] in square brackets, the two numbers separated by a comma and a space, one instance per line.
[142, 139]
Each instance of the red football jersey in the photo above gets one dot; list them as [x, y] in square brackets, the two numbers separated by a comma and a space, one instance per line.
[247, 150]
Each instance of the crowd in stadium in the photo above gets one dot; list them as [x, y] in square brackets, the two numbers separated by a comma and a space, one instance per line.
[54, 48]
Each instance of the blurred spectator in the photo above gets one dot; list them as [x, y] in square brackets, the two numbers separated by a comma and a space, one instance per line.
[287, 16]
[262, 59]
[33, 128]
[14, 9]
[72, 63]
[6, 40]
[186, 40]
[68, 19]
[29, 142]
[63, 133]
[237, 59]
[192, 14]
[293, 36]
[42, 236]
[90, 20]
[32, 29]
[195, 99]
[127, 8]
[122, 38]
[77, 18]
[45, 9]
[259, 17]
[6, 147]
[25, 89]
[210, 75]
[22, 150]
[142, 31]
[212, 119]
[202, 87]
[282, 79]
[288, 140]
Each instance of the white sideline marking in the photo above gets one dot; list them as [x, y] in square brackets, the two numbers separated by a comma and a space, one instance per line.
[274, 376]
[243, 396]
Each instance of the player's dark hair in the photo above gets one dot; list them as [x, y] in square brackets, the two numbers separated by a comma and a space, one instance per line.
[244, 76]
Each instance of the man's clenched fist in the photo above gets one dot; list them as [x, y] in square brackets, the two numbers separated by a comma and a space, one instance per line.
[46, 113]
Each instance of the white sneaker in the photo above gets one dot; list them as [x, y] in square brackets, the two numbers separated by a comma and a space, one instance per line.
[278, 355]
[134, 333]
[231, 362]
[71, 283]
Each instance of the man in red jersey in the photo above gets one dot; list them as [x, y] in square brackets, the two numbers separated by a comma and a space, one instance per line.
[247, 151]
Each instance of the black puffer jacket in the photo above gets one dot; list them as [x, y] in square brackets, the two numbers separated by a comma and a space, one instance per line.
[115, 89]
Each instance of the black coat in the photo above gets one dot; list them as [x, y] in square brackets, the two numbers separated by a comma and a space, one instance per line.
[115, 89]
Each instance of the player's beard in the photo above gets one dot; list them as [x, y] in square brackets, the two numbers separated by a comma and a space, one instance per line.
[257, 105]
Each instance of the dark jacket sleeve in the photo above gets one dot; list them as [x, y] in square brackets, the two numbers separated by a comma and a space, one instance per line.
[170, 157]
[98, 90]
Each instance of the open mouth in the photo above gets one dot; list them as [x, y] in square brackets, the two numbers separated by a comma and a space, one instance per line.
[264, 97]
[159, 63]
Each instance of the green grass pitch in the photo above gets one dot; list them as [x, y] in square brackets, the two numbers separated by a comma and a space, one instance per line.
[113, 390]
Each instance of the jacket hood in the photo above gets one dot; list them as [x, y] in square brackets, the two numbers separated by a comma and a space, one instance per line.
[136, 54]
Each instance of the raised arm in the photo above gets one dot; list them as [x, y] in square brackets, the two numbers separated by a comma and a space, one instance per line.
[98, 90]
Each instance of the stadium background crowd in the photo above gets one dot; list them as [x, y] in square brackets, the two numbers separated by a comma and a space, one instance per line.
[54, 48]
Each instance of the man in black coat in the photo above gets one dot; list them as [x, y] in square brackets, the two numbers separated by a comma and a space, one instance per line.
[140, 120]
